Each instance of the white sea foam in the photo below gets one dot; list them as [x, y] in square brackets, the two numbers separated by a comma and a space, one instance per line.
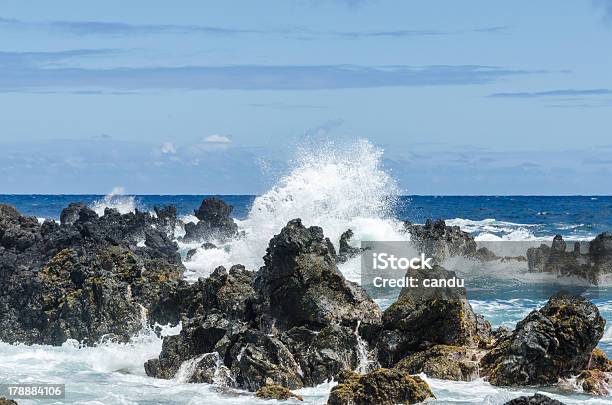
[335, 187]
[115, 199]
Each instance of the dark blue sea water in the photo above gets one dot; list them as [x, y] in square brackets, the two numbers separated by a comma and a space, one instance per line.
[572, 216]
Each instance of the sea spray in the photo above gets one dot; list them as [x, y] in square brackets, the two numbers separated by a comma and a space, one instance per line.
[336, 187]
[117, 200]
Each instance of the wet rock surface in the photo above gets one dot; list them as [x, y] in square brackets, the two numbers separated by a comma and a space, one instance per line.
[552, 342]
[595, 382]
[537, 399]
[379, 387]
[277, 392]
[294, 323]
[300, 284]
[423, 317]
[444, 362]
[345, 250]
[4, 401]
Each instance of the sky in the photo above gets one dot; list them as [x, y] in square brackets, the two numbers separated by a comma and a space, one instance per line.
[214, 97]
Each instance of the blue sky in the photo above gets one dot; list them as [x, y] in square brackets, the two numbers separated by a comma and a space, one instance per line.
[208, 97]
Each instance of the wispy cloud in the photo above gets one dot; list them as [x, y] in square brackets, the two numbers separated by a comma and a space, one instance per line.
[287, 106]
[48, 59]
[35, 72]
[554, 93]
[119, 28]
[124, 29]
[403, 33]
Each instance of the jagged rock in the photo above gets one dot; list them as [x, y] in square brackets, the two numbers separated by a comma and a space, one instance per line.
[537, 399]
[439, 241]
[600, 252]
[346, 251]
[552, 342]
[215, 222]
[4, 401]
[199, 335]
[209, 369]
[537, 258]
[277, 392]
[444, 362]
[17, 232]
[300, 284]
[295, 323]
[595, 382]
[166, 217]
[422, 317]
[379, 387]
[219, 309]
[559, 260]
[88, 278]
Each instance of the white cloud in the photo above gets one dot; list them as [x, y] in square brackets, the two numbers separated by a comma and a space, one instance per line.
[217, 139]
[168, 148]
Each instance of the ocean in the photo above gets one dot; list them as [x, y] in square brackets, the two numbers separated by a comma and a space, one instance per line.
[336, 192]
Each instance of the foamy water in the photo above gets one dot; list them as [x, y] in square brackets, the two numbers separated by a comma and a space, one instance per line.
[117, 200]
[336, 188]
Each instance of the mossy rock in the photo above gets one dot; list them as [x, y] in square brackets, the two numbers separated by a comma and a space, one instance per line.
[599, 361]
[275, 391]
[380, 387]
[595, 382]
[60, 265]
[121, 262]
[443, 362]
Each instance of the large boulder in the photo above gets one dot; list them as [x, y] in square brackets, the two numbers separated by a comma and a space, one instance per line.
[379, 387]
[300, 284]
[422, 317]
[552, 342]
[215, 222]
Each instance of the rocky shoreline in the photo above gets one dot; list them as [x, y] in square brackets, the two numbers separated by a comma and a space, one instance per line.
[296, 321]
